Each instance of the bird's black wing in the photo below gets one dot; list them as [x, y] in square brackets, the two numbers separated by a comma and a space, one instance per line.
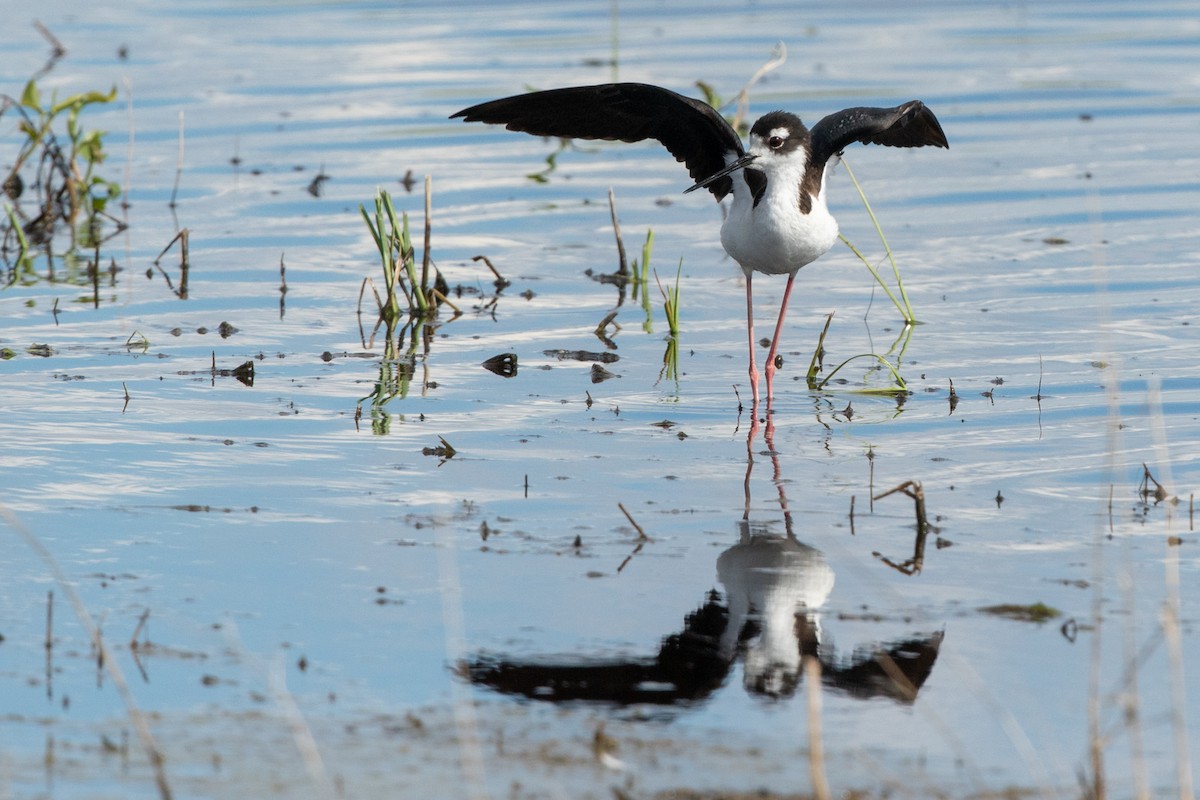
[909, 125]
[629, 112]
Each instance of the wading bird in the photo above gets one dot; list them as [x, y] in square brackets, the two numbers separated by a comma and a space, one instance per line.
[778, 221]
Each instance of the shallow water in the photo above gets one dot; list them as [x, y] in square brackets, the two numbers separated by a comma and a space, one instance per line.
[308, 568]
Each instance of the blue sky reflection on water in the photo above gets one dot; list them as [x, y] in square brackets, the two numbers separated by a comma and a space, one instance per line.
[1048, 252]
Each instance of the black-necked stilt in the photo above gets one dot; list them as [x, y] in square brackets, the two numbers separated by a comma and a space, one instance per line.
[778, 221]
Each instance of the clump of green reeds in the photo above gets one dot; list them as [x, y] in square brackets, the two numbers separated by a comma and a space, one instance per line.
[641, 275]
[670, 295]
[396, 254]
[814, 367]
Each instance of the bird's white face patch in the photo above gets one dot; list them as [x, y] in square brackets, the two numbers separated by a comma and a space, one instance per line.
[777, 141]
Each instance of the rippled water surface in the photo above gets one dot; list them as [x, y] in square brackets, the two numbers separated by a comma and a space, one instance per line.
[332, 607]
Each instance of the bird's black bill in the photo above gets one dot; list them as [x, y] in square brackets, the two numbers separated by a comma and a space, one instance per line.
[736, 165]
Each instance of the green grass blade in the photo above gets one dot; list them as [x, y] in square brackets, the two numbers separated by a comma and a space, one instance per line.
[906, 309]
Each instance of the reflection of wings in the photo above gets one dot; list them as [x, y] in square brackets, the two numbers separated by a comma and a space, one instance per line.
[896, 671]
[691, 665]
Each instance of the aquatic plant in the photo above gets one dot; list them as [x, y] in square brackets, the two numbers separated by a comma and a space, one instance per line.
[671, 307]
[671, 301]
[394, 243]
[72, 197]
[906, 309]
[814, 367]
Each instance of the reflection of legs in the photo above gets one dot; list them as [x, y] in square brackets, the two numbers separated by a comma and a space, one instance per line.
[787, 292]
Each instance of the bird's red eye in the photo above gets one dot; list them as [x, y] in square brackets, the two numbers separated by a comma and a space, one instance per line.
[775, 142]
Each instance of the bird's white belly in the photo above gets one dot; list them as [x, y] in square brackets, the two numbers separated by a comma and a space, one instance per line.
[779, 241]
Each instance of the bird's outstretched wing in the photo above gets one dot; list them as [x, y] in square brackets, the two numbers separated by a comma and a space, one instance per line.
[909, 125]
[629, 112]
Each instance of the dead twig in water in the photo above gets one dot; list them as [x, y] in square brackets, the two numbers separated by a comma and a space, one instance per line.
[133, 637]
[641, 533]
[49, 643]
[622, 263]
[182, 238]
[283, 285]
[1159, 494]
[641, 540]
[501, 282]
[913, 565]
[178, 165]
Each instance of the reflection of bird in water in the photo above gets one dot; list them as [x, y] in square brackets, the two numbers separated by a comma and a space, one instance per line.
[778, 221]
[767, 617]
[774, 586]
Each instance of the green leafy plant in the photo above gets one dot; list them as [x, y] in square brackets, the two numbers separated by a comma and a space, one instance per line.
[64, 157]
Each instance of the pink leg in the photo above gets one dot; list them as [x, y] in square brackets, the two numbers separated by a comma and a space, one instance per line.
[750, 334]
[787, 292]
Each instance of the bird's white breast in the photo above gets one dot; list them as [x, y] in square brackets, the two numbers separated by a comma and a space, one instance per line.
[775, 237]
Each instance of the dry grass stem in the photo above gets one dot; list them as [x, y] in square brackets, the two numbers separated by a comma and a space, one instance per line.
[816, 746]
[109, 664]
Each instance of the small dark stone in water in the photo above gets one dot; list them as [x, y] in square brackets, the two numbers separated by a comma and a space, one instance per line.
[13, 186]
[201, 331]
[327, 356]
[245, 373]
[504, 365]
[226, 330]
[316, 187]
[599, 374]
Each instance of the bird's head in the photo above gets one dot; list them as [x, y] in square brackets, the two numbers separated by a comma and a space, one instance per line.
[779, 140]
